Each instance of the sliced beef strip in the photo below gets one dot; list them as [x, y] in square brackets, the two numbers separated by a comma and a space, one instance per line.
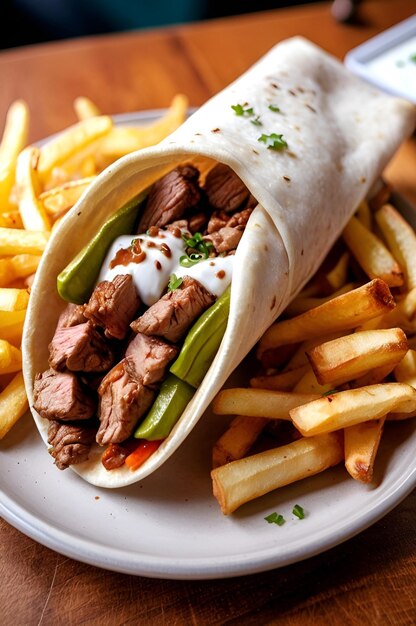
[61, 396]
[128, 390]
[217, 220]
[225, 239]
[72, 315]
[70, 443]
[148, 357]
[224, 189]
[80, 348]
[172, 315]
[240, 219]
[123, 401]
[113, 305]
[170, 197]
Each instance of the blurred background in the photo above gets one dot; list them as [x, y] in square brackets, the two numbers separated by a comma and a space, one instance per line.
[33, 21]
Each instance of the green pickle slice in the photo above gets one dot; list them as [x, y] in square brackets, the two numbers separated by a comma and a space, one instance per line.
[76, 282]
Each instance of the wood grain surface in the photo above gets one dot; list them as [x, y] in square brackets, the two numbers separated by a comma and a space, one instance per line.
[370, 579]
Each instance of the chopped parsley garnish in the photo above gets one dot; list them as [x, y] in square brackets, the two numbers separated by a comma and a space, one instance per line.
[174, 282]
[200, 250]
[274, 108]
[240, 110]
[275, 518]
[273, 141]
[257, 121]
[298, 511]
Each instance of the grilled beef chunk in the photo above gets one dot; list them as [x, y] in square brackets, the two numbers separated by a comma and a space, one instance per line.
[171, 316]
[113, 305]
[225, 239]
[61, 396]
[217, 220]
[239, 220]
[71, 443]
[72, 315]
[148, 358]
[128, 390]
[170, 197]
[80, 348]
[224, 189]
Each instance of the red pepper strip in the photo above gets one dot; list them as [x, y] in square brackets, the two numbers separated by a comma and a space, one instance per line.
[142, 453]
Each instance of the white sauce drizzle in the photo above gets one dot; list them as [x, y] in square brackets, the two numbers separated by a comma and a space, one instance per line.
[213, 273]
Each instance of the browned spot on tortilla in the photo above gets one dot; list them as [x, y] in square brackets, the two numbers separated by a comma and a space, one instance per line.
[255, 151]
[216, 130]
[310, 108]
[363, 179]
[292, 93]
[286, 178]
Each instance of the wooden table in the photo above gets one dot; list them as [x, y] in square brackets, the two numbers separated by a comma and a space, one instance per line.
[369, 579]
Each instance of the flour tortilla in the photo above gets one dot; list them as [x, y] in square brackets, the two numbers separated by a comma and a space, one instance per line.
[340, 134]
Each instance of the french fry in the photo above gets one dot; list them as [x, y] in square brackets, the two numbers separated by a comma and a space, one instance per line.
[339, 314]
[85, 108]
[239, 482]
[237, 440]
[11, 219]
[401, 239]
[15, 241]
[337, 277]
[12, 331]
[373, 377]
[363, 213]
[59, 200]
[31, 210]
[10, 358]
[346, 408]
[405, 371]
[309, 384]
[361, 443]
[13, 299]
[301, 305]
[125, 139]
[372, 254]
[19, 266]
[71, 141]
[280, 382]
[258, 402]
[351, 356]
[403, 315]
[13, 404]
[13, 141]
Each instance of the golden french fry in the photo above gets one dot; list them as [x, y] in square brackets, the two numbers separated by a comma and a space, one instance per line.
[361, 443]
[373, 377]
[300, 305]
[258, 402]
[309, 384]
[31, 210]
[15, 241]
[13, 404]
[405, 371]
[351, 356]
[339, 314]
[13, 141]
[19, 266]
[363, 213]
[10, 318]
[239, 482]
[70, 141]
[12, 332]
[125, 139]
[237, 440]
[62, 198]
[337, 277]
[85, 108]
[10, 358]
[379, 194]
[372, 254]
[11, 219]
[13, 299]
[346, 408]
[403, 315]
[280, 382]
[401, 239]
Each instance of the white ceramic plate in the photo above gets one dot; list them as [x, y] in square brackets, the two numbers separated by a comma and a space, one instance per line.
[170, 526]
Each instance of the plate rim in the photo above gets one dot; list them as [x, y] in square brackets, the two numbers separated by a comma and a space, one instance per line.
[198, 568]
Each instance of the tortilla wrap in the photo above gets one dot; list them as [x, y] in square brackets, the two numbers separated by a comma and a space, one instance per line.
[340, 133]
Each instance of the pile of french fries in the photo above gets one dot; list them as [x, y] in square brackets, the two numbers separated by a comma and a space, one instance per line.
[339, 364]
[38, 185]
